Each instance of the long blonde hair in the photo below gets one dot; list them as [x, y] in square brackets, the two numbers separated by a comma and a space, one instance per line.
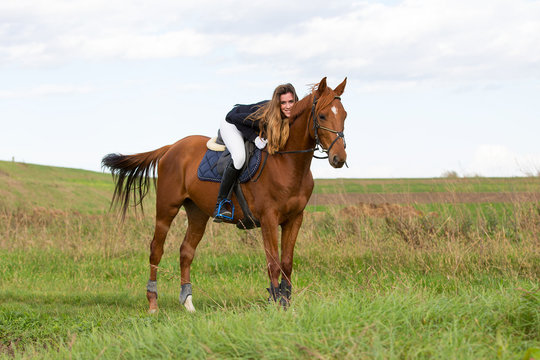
[274, 126]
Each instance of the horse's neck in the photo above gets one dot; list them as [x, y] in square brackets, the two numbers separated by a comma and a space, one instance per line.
[300, 139]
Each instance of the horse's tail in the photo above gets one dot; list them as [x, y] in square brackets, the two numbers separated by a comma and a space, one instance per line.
[131, 174]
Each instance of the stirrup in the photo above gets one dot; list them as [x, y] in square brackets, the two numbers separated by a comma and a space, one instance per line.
[224, 215]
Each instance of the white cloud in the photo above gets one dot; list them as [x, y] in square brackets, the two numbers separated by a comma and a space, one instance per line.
[426, 40]
[35, 33]
[415, 40]
[45, 90]
[137, 46]
[499, 160]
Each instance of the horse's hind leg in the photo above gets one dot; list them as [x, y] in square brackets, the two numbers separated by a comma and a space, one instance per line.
[165, 214]
[196, 226]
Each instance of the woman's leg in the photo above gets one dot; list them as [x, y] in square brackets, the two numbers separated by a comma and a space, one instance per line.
[234, 141]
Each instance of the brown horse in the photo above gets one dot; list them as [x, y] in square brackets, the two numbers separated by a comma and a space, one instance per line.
[277, 198]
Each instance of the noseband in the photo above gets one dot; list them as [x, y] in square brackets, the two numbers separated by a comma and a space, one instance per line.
[317, 126]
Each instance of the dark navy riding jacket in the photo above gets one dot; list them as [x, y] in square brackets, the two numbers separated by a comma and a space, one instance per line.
[237, 116]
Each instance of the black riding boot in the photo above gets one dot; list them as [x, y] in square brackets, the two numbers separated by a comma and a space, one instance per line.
[229, 178]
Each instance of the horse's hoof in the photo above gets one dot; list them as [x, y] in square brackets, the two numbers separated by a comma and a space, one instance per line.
[152, 302]
[284, 303]
[189, 304]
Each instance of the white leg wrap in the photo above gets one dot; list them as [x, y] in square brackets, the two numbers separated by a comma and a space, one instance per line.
[189, 304]
[186, 298]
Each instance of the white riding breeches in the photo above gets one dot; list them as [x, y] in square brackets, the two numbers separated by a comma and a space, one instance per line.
[234, 141]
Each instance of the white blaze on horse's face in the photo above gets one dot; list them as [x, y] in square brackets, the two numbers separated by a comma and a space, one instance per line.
[333, 136]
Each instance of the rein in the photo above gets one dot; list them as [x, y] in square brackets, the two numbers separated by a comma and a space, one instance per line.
[318, 145]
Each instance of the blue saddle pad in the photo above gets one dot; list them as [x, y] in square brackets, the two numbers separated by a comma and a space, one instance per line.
[208, 172]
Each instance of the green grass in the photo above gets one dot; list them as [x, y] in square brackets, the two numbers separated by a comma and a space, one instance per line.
[360, 290]
[459, 284]
[397, 322]
[373, 303]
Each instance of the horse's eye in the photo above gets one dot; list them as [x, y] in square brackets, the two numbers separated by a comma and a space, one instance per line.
[322, 117]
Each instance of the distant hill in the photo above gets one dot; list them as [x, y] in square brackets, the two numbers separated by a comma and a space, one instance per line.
[30, 186]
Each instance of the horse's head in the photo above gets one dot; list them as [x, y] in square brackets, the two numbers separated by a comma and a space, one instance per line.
[328, 116]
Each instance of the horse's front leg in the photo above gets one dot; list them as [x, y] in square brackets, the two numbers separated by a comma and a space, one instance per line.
[289, 233]
[197, 220]
[269, 229]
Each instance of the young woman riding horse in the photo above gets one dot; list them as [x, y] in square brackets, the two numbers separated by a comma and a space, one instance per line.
[278, 198]
[263, 123]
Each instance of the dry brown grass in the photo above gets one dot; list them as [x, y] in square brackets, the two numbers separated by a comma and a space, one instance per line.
[379, 210]
[447, 243]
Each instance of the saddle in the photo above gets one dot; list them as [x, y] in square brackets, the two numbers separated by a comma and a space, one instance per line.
[213, 164]
[217, 157]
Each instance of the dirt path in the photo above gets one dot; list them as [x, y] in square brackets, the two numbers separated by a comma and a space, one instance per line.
[422, 198]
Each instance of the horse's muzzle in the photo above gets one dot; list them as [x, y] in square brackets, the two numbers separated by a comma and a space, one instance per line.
[337, 161]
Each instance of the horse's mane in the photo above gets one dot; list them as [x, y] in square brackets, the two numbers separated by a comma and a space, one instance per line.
[307, 102]
[299, 108]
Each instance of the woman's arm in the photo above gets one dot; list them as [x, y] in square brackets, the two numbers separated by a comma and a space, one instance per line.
[239, 113]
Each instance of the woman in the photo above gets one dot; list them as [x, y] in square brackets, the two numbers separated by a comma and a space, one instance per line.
[265, 123]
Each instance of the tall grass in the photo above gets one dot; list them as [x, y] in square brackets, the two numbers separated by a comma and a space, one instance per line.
[456, 282]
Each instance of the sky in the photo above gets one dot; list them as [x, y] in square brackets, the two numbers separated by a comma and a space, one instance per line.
[432, 85]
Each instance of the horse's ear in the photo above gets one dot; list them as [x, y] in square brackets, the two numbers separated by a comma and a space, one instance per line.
[322, 86]
[340, 88]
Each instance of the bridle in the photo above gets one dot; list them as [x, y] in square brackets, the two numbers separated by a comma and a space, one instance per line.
[316, 126]
[318, 146]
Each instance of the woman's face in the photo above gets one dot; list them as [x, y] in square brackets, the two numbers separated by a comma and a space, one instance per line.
[286, 102]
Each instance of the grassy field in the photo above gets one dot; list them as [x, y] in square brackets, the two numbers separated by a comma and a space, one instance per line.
[434, 185]
[430, 281]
